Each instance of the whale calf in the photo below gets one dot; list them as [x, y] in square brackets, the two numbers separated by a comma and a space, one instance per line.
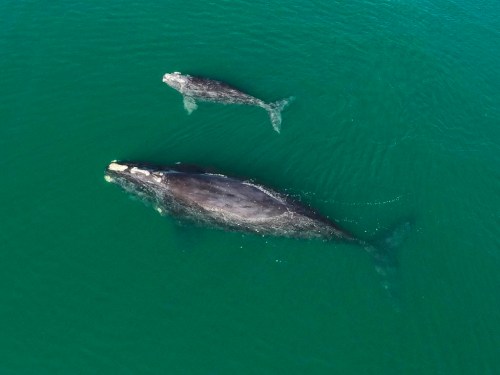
[209, 90]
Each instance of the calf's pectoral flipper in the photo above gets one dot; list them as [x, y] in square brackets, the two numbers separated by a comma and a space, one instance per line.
[189, 104]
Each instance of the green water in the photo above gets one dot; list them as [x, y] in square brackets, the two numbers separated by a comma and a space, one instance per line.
[396, 116]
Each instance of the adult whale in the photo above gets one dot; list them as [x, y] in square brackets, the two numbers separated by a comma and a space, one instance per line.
[220, 201]
[209, 90]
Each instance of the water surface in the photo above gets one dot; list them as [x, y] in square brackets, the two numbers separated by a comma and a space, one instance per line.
[396, 115]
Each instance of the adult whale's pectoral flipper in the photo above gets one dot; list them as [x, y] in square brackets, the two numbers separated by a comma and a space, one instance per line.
[189, 104]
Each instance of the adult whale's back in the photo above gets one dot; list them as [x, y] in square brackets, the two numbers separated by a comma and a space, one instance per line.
[242, 205]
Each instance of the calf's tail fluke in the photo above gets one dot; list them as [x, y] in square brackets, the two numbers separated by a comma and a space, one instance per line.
[384, 252]
[274, 110]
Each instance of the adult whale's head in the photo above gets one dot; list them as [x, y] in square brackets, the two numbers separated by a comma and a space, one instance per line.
[175, 80]
[146, 181]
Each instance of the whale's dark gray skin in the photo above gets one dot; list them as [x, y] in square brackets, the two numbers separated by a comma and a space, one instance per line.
[209, 90]
[219, 201]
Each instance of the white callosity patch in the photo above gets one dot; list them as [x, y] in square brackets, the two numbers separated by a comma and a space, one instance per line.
[175, 77]
[136, 170]
[117, 167]
[108, 178]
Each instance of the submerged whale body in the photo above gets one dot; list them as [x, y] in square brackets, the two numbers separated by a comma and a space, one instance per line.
[209, 90]
[220, 201]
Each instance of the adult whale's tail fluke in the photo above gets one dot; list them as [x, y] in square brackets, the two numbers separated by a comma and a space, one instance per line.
[274, 110]
[384, 251]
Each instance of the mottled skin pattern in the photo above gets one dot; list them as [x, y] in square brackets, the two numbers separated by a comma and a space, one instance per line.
[209, 90]
[220, 201]
[215, 91]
